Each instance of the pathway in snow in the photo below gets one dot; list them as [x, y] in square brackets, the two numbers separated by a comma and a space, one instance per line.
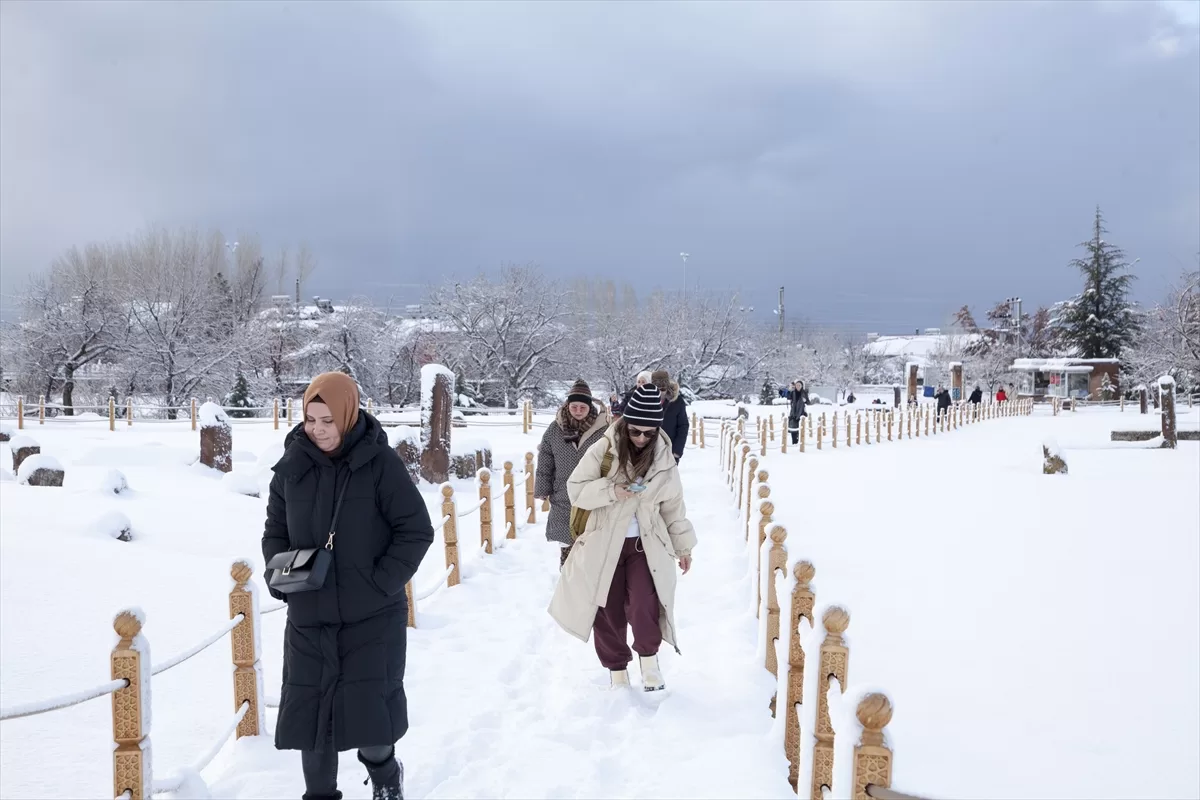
[503, 703]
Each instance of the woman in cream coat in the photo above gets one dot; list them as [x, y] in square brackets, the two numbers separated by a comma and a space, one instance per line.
[621, 570]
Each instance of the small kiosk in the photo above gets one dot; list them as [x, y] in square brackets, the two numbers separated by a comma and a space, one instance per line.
[1068, 378]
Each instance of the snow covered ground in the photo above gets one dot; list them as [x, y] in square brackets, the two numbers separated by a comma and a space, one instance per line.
[1012, 617]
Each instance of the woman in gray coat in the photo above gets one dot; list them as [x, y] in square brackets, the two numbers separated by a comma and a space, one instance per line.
[578, 425]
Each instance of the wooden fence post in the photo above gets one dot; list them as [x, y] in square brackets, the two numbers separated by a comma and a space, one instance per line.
[20, 413]
[776, 562]
[891, 420]
[833, 438]
[802, 606]
[695, 428]
[510, 503]
[878, 426]
[247, 667]
[411, 597]
[857, 431]
[193, 413]
[872, 756]
[530, 506]
[701, 433]
[289, 413]
[370, 406]
[785, 435]
[130, 661]
[834, 661]
[275, 414]
[752, 473]
[485, 510]
[1166, 391]
[525, 417]
[112, 415]
[450, 534]
[129, 412]
[772, 423]
[41, 409]
[803, 429]
[766, 511]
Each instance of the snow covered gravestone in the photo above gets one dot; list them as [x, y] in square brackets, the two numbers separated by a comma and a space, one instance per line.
[41, 470]
[1166, 392]
[216, 438]
[22, 447]
[1052, 460]
[437, 403]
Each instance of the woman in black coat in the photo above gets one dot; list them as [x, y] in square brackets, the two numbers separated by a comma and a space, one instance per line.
[675, 416]
[797, 408]
[345, 642]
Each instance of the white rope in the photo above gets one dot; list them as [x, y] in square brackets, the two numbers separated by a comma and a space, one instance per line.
[209, 642]
[62, 701]
[435, 588]
[272, 609]
[441, 524]
[471, 509]
[173, 783]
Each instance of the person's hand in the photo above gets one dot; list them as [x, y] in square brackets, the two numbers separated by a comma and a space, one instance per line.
[685, 563]
[623, 493]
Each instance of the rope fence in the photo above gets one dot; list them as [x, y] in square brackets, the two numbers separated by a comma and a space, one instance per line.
[131, 670]
[783, 598]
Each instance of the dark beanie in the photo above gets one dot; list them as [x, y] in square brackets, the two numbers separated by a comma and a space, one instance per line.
[645, 406]
[580, 393]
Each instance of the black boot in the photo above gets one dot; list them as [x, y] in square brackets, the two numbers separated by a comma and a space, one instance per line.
[386, 778]
[335, 796]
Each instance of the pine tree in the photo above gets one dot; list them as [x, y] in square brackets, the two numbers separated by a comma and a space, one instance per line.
[1101, 321]
[769, 392]
[239, 403]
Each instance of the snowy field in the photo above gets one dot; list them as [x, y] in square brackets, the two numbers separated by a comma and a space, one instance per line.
[1049, 620]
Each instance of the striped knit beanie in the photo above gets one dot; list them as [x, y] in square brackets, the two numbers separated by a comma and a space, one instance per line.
[645, 407]
[580, 393]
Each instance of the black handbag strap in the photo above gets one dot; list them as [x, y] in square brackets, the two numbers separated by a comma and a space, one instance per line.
[337, 509]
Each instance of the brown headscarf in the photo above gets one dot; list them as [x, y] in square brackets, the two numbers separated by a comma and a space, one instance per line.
[338, 391]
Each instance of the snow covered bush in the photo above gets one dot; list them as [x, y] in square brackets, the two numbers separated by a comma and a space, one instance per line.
[114, 482]
[113, 525]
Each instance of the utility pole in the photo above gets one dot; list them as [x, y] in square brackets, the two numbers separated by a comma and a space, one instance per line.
[1017, 300]
[780, 310]
[684, 256]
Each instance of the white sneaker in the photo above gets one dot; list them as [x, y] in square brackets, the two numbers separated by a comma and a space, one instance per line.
[619, 678]
[652, 678]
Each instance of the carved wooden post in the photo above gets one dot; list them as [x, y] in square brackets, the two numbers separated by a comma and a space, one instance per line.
[450, 534]
[112, 415]
[1166, 391]
[879, 426]
[802, 606]
[928, 414]
[753, 473]
[1122, 402]
[216, 439]
[891, 419]
[803, 427]
[42, 409]
[129, 412]
[771, 421]
[912, 380]
[833, 438]
[766, 511]
[525, 417]
[130, 662]
[20, 413]
[834, 660]
[485, 510]
[908, 422]
[247, 666]
[701, 433]
[275, 414]
[510, 503]
[820, 431]
[1143, 398]
[411, 597]
[872, 756]
[193, 413]
[289, 412]
[370, 406]
[776, 562]
[530, 505]
[857, 430]
[787, 435]
[741, 475]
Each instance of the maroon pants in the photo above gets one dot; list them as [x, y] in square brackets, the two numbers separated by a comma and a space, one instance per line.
[632, 602]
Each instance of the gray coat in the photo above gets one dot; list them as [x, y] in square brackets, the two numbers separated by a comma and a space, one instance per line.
[557, 459]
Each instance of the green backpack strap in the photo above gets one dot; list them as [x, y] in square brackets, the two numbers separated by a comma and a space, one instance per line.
[579, 516]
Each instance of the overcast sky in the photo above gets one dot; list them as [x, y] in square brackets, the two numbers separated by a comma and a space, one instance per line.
[885, 162]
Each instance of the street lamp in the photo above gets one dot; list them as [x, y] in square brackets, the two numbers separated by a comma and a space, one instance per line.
[684, 256]
[1010, 302]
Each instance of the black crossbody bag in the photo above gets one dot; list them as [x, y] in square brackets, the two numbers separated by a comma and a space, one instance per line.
[305, 570]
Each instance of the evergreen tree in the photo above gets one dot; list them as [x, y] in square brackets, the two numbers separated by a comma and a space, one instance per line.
[770, 391]
[238, 403]
[1101, 321]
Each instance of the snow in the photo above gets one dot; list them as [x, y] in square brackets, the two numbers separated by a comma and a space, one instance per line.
[1166, 381]
[114, 482]
[1004, 598]
[212, 415]
[113, 525]
[403, 433]
[35, 462]
[246, 483]
[22, 441]
[469, 445]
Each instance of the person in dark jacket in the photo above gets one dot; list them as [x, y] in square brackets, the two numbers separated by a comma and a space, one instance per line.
[345, 642]
[798, 399]
[976, 396]
[675, 420]
[577, 426]
[943, 400]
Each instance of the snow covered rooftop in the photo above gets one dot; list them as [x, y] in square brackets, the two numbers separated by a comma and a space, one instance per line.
[1072, 365]
[920, 346]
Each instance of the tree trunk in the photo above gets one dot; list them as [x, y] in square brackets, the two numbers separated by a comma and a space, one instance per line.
[68, 391]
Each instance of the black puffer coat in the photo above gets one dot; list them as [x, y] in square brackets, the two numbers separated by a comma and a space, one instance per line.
[675, 418]
[345, 643]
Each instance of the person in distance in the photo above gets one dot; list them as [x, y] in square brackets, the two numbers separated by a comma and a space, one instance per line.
[577, 426]
[621, 571]
[341, 488]
[675, 417]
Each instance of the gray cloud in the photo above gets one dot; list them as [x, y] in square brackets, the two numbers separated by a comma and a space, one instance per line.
[885, 161]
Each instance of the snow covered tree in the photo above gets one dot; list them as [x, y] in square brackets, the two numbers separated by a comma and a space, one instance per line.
[509, 331]
[1101, 321]
[770, 391]
[238, 403]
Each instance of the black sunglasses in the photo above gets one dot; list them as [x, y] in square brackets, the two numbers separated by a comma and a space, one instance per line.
[636, 433]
